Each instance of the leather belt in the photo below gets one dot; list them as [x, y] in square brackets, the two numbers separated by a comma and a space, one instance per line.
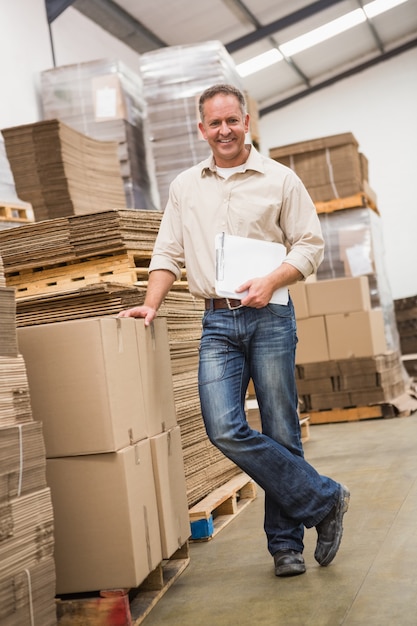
[222, 303]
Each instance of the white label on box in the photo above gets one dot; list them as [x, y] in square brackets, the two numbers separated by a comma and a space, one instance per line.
[106, 102]
[358, 260]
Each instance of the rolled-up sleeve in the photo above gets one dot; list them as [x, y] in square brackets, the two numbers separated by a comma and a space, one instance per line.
[168, 252]
[301, 225]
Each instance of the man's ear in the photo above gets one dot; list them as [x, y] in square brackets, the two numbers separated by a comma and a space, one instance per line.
[202, 131]
[247, 120]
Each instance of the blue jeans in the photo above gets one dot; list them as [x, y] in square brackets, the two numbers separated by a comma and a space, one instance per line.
[245, 343]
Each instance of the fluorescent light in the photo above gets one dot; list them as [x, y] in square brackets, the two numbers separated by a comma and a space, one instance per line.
[259, 62]
[331, 29]
[380, 6]
[316, 36]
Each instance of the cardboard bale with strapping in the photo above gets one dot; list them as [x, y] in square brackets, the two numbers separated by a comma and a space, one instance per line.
[330, 167]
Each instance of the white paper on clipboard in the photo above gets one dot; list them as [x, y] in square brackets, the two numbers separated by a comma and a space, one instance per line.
[240, 258]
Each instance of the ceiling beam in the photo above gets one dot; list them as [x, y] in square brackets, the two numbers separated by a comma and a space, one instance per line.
[269, 29]
[115, 20]
[280, 104]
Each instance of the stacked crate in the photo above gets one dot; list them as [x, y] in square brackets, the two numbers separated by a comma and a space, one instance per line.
[335, 174]
[342, 358]
[103, 389]
[27, 571]
[104, 99]
[173, 79]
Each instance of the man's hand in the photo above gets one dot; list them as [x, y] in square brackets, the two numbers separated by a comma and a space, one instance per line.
[259, 292]
[146, 312]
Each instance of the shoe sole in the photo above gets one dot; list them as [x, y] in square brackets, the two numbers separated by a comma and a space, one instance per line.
[290, 570]
[343, 507]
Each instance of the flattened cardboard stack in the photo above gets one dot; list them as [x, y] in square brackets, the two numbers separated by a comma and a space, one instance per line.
[12, 208]
[330, 167]
[104, 100]
[63, 172]
[27, 571]
[54, 255]
[406, 317]
[173, 79]
[103, 388]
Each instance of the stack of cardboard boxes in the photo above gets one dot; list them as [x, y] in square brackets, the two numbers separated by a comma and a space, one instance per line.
[104, 100]
[330, 167]
[103, 389]
[342, 357]
[173, 79]
[27, 572]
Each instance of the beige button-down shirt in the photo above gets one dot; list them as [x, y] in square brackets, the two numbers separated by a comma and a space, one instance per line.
[266, 201]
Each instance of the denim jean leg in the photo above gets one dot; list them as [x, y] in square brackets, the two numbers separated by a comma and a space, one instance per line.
[273, 343]
[301, 494]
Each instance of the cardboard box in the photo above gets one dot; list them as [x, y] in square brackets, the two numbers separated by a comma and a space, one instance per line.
[85, 384]
[338, 295]
[171, 490]
[357, 334]
[106, 519]
[330, 167]
[312, 341]
[298, 295]
[156, 374]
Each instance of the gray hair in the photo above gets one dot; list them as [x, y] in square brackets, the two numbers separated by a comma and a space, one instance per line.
[227, 90]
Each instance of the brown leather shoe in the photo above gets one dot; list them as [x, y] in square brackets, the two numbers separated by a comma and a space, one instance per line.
[330, 529]
[289, 563]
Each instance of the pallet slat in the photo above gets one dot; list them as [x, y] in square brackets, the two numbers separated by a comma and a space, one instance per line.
[123, 607]
[220, 507]
[358, 200]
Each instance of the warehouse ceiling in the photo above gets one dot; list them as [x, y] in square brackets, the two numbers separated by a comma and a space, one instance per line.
[248, 28]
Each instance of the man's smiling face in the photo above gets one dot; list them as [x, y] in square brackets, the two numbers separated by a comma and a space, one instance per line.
[224, 127]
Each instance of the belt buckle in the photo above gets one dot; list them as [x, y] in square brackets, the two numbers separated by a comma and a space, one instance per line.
[233, 308]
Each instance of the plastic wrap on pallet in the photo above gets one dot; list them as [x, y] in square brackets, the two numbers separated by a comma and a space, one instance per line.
[173, 79]
[7, 185]
[354, 247]
[11, 206]
[104, 100]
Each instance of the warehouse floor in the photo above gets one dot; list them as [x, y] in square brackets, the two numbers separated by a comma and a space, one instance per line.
[372, 581]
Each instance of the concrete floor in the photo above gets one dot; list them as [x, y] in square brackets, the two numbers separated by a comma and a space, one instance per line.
[372, 581]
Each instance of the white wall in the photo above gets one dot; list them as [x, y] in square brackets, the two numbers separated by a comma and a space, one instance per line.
[25, 51]
[377, 106]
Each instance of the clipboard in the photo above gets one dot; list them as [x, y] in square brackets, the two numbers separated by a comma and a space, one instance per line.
[240, 258]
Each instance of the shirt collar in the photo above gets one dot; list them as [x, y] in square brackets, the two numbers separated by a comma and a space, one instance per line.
[253, 162]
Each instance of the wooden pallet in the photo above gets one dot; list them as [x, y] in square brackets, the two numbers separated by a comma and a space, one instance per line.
[123, 268]
[402, 408]
[117, 268]
[358, 200]
[122, 607]
[10, 212]
[220, 507]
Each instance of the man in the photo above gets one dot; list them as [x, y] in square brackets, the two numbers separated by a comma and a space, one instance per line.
[240, 192]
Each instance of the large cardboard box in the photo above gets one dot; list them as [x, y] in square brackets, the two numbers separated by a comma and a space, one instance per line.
[85, 384]
[312, 340]
[106, 519]
[156, 375]
[298, 295]
[171, 490]
[357, 334]
[338, 295]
